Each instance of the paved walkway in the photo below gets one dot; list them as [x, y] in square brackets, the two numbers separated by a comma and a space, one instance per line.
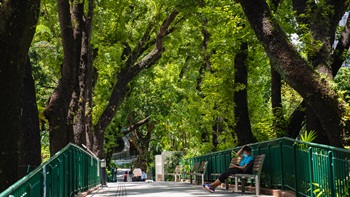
[161, 189]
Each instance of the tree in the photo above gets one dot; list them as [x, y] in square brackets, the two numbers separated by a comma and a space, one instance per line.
[29, 147]
[128, 73]
[337, 58]
[68, 100]
[17, 26]
[316, 90]
[242, 127]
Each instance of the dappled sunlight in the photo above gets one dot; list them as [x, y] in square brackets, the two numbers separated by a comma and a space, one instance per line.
[167, 189]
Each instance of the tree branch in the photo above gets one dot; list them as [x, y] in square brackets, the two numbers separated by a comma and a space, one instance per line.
[136, 125]
[126, 75]
[342, 46]
[164, 29]
[322, 22]
[138, 50]
[295, 70]
[275, 4]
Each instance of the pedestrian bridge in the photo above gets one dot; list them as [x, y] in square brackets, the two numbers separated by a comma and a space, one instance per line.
[307, 169]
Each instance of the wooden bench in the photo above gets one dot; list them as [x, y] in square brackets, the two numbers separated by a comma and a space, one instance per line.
[256, 172]
[200, 171]
[177, 173]
[194, 168]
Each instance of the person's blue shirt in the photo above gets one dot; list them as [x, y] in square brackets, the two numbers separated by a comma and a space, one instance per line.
[246, 160]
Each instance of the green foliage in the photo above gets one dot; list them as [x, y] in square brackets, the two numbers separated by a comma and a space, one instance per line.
[172, 161]
[185, 99]
[318, 191]
[342, 80]
[308, 136]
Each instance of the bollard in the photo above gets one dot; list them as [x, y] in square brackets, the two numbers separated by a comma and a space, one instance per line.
[104, 173]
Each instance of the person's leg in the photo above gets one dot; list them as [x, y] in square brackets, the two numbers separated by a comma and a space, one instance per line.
[224, 176]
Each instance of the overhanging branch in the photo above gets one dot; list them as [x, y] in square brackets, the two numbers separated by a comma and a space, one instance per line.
[136, 125]
[342, 46]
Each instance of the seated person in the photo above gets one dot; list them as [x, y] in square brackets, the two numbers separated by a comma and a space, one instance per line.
[143, 176]
[137, 174]
[234, 168]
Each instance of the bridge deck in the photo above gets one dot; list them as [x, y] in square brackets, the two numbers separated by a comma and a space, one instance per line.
[160, 189]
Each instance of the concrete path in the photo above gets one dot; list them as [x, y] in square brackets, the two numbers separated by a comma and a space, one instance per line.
[161, 189]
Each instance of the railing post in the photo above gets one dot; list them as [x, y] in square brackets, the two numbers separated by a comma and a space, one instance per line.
[104, 174]
[295, 169]
[44, 180]
[271, 171]
[310, 171]
[331, 173]
[281, 156]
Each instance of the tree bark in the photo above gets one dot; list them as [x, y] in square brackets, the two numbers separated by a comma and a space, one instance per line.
[17, 27]
[323, 32]
[82, 120]
[296, 120]
[126, 75]
[316, 91]
[279, 123]
[142, 144]
[242, 127]
[136, 125]
[29, 146]
[61, 103]
[314, 124]
[337, 59]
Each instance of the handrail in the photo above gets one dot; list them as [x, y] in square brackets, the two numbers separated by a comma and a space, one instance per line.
[283, 138]
[317, 145]
[303, 167]
[67, 166]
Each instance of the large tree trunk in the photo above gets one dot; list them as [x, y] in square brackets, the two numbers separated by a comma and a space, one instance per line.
[141, 143]
[242, 127]
[126, 75]
[337, 59]
[321, 31]
[279, 123]
[313, 124]
[29, 146]
[317, 92]
[60, 107]
[82, 120]
[17, 26]
[296, 120]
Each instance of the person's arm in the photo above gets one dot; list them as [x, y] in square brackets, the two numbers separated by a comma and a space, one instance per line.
[241, 167]
[238, 154]
[237, 166]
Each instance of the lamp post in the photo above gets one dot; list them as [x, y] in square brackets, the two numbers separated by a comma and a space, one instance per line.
[104, 173]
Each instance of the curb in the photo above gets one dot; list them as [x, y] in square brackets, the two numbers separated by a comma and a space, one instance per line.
[84, 194]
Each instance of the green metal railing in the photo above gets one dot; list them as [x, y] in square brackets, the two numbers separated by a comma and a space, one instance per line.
[68, 172]
[308, 169]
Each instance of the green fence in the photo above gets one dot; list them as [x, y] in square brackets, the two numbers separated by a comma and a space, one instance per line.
[68, 172]
[308, 169]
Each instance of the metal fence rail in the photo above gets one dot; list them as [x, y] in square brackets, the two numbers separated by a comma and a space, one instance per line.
[308, 169]
[68, 172]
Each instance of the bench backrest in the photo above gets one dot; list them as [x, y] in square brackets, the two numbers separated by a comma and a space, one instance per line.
[177, 170]
[258, 164]
[195, 167]
[235, 160]
[202, 167]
